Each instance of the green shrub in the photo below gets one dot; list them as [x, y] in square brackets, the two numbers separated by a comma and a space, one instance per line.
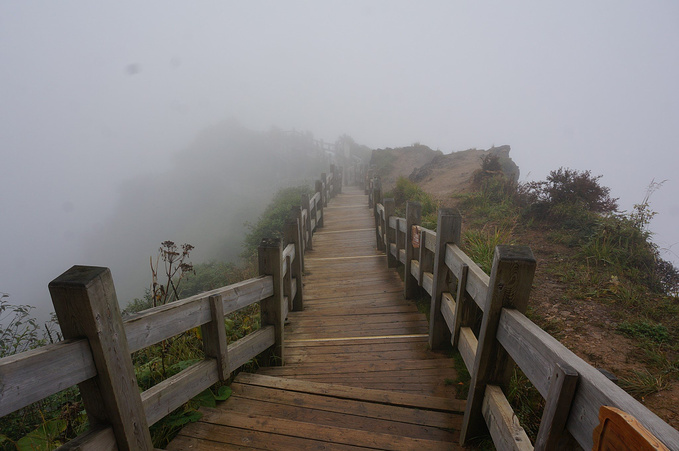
[382, 160]
[479, 245]
[571, 187]
[645, 330]
[272, 222]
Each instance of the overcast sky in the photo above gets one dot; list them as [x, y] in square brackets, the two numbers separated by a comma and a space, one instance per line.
[92, 93]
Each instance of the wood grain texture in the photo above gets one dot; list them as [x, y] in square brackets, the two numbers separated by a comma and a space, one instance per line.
[33, 375]
[552, 430]
[534, 350]
[358, 369]
[160, 323]
[502, 423]
[510, 283]
[86, 305]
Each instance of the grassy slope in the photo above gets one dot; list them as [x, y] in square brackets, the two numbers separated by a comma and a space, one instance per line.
[595, 288]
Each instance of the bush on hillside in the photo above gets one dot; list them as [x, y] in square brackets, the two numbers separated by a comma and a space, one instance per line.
[406, 191]
[272, 222]
[566, 189]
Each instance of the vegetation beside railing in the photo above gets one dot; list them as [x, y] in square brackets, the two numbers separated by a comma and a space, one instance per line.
[98, 342]
[461, 294]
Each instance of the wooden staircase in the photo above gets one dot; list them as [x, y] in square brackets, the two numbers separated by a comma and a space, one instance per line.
[357, 373]
[276, 413]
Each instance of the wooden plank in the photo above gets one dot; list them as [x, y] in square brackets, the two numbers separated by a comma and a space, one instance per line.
[289, 251]
[427, 282]
[98, 438]
[160, 323]
[552, 430]
[86, 305]
[535, 351]
[510, 283]
[332, 434]
[271, 308]
[207, 437]
[350, 342]
[448, 310]
[166, 396]
[171, 393]
[424, 410]
[467, 347]
[402, 256]
[503, 425]
[415, 270]
[33, 375]
[429, 239]
[214, 338]
[477, 280]
[245, 349]
[448, 230]
[352, 418]
[366, 356]
[463, 315]
[358, 367]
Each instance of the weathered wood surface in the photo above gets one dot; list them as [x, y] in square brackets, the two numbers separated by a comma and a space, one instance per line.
[358, 371]
[274, 413]
[21, 383]
[86, 305]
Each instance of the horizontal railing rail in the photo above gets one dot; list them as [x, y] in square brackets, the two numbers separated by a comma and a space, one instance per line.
[96, 352]
[461, 293]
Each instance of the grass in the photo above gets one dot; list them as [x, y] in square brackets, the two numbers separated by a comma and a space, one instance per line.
[607, 257]
[645, 330]
[527, 403]
[641, 383]
[463, 378]
[480, 244]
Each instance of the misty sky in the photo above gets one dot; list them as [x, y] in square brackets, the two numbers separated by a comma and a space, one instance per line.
[93, 94]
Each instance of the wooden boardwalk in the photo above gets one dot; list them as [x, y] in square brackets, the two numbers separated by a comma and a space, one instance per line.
[358, 373]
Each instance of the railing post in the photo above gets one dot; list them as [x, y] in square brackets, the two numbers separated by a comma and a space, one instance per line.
[214, 338]
[413, 218]
[333, 189]
[389, 209]
[464, 315]
[85, 302]
[307, 235]
[377, 198]
[295, 267]
[552, 433]
[297, 213]
[324, 189]
[319, 188]
[270, 264]
[510, 282]
[448, 231]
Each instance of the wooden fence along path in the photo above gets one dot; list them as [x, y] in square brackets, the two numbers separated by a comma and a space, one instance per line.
[357, 371]
[354, 365]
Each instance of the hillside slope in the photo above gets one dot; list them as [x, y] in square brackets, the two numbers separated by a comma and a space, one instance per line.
[601, 311]
[438, 174]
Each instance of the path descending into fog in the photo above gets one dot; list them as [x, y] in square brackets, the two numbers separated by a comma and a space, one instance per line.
[358, 373]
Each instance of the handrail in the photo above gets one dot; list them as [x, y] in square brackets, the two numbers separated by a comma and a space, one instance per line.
[100, 363]
[505, 334]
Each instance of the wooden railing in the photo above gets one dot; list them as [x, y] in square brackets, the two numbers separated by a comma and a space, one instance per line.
[483, 317]
[95, 354]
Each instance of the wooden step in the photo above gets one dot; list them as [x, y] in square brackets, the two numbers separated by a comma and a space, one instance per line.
[275, 413]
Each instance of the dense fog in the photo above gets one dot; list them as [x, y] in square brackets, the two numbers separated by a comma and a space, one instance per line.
[128, 123]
